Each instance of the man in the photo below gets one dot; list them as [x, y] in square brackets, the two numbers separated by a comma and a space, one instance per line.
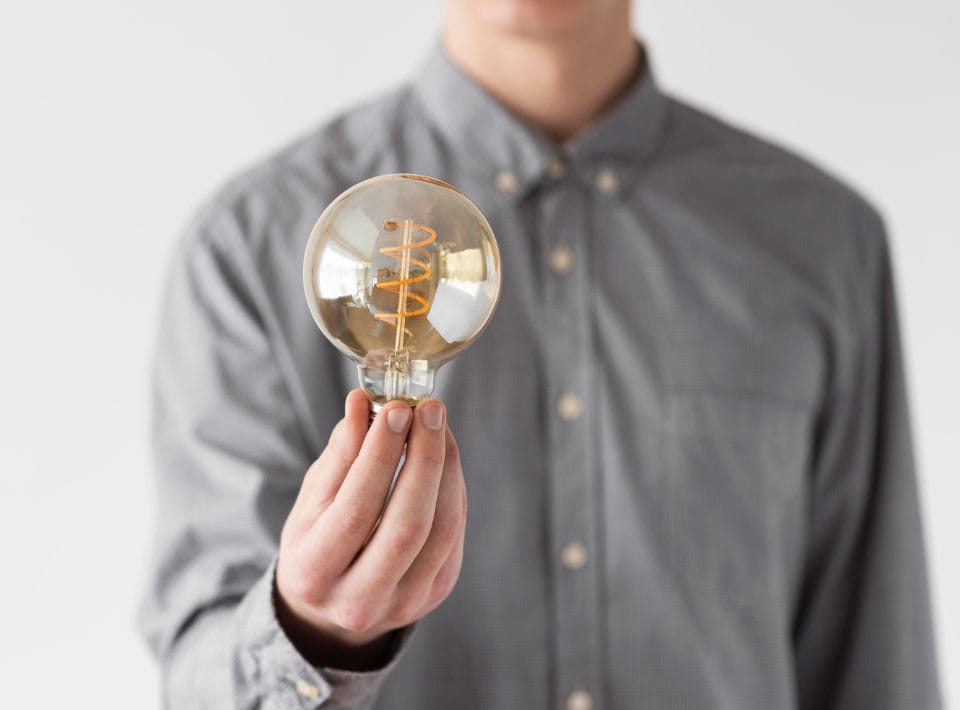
[684, 433]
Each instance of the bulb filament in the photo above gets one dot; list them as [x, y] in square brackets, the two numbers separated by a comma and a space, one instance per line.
[409, 304]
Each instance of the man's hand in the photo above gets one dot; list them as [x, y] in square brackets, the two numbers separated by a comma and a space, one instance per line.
[340, 594]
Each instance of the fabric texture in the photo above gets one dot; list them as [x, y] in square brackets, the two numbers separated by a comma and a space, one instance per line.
[684, 433]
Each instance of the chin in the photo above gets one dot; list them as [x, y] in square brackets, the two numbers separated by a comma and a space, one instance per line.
[538, 18]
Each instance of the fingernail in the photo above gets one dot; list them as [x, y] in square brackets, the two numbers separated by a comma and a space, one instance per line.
[432, 415]
[398, 418]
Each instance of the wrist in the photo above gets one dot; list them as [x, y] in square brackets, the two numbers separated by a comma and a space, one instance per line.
[326, 645]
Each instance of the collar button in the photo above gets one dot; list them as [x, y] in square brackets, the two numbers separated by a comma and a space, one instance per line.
[507, 182]
[607, 181]
[556, 169]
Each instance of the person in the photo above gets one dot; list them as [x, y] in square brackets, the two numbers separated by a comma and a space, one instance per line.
[684, 433]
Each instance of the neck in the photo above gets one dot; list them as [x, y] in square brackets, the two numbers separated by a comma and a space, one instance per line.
[558, 84]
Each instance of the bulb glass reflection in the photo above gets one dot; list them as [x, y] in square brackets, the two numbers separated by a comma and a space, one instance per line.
[401, 273]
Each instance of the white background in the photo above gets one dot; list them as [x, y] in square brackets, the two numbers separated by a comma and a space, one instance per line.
[118, 118]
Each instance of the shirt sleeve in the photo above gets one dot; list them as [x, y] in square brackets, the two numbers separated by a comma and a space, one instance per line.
[229, 454]
[863, 632]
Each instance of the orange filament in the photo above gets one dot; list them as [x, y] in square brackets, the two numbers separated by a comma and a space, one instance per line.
[409, 304]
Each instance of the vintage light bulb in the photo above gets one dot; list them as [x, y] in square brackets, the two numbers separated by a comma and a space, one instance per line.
[401, 273]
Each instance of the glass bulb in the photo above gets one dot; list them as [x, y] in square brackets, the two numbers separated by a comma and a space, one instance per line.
[401, 273]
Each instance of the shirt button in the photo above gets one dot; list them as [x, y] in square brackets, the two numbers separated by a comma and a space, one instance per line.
[555, 168]
[569, 406]
[579, 700]
[308, 690]
[573, 555]
[561, 260]
[607, 180]
[507, 182]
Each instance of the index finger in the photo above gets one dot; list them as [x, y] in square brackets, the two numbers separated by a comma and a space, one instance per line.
[325, 475]
[347, 521]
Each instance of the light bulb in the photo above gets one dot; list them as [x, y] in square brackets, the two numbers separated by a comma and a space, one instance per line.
[401, 273]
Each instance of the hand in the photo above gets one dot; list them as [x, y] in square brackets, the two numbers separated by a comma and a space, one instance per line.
[339, 595]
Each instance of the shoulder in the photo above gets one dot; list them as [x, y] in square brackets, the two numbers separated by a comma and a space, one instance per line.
[272, 196]
[782, 197]
[705, 137]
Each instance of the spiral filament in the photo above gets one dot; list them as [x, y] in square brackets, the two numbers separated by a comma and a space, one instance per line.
[409, 304]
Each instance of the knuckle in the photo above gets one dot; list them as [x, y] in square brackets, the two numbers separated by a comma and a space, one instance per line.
[354, 520]
[288, 533]
[357, 616]
[444, 583]
[294, 586]
[452, 452]
[336, 433]
[341, 444]
[381, 458]
[410, 535]
[295, 582]
[315, 470]
[339, 455]
[447, 529]
[431, 456]
[408, 607]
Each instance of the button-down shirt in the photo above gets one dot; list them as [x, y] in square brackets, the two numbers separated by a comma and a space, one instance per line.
[684, 432]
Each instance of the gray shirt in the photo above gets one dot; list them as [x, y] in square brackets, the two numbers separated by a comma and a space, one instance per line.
[684, 433]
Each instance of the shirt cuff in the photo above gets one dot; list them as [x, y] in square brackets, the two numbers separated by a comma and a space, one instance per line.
[289, 679]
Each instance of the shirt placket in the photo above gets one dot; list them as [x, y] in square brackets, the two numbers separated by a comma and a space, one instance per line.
[573, 539]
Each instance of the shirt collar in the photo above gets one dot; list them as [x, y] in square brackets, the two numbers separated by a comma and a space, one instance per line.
[475, 122]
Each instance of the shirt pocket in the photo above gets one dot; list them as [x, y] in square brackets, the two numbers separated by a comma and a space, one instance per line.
[737, 480]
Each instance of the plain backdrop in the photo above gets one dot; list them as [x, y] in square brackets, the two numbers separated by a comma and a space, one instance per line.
[118, 118]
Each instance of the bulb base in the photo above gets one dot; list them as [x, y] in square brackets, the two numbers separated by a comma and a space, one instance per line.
[375, 408]
[410, 385]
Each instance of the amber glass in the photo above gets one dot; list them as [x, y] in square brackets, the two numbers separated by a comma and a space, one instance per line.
[401, 273]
